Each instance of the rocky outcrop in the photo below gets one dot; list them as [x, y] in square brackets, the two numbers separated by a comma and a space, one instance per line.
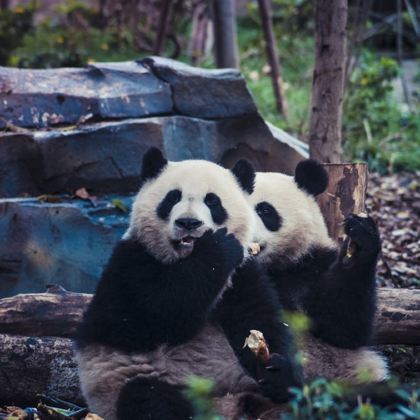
[44, 98]
[66, 242]
[65, 129]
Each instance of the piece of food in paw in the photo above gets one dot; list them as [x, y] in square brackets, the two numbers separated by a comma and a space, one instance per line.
[257, 344]
[254, 248]
[351, 249]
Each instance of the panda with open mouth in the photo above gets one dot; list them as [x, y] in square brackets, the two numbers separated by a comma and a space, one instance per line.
[178, 298]
[314, 276]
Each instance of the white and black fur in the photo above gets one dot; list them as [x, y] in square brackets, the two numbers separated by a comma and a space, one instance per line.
[311, 275]
[170, 303]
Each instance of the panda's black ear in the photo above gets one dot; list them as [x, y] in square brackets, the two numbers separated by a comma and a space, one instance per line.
[153, 163]
[245, 175]
[311, 176]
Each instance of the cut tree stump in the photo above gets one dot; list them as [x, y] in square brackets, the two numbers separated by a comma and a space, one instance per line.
[345, 194]
[58, 314]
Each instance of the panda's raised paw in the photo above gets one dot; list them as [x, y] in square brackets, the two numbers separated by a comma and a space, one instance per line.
[364, 233]
[213, 242]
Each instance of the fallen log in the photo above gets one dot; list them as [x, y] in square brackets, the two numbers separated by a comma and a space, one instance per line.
[37, 365]
[37, 358]
[58, 313]
[54, 313]
[398, 316]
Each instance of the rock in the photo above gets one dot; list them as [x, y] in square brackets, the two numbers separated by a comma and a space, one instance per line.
[219, 93]
[114, 112]
[106, 157]
[65, 242]
[266, 147]
[20, 165]
[42, 98]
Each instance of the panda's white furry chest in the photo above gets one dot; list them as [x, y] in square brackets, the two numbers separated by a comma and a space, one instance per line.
[103, 370]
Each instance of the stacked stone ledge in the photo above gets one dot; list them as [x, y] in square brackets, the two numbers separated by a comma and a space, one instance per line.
[66, 129]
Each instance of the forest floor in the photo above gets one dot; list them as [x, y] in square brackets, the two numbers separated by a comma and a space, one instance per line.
[394, 202]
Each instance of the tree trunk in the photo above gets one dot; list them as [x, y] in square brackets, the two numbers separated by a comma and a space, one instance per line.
[163, 24]
[398, 316]
[328, 80]
[4, 4]
[40, 314]
[47, 314]
[37, 365]
[345, 194]
[273, 57]
[40, 364]
[225, 34]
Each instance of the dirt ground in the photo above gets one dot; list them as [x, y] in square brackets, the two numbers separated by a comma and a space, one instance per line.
[394, 202]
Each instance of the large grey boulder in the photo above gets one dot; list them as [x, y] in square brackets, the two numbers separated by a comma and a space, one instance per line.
[68, 242]
[203, 93]
[90, 128]
[43, 98]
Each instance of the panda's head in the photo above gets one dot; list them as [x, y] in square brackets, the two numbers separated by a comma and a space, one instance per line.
[179, 201]
[290, 223]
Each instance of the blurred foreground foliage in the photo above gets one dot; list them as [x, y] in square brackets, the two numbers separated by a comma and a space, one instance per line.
[376, 128]
[318, 400]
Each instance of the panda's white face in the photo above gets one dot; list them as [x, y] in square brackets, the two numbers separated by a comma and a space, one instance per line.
[289, 221]
[185, 200]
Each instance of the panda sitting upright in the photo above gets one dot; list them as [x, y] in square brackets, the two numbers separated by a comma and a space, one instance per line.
[170, 303]
[312, 275]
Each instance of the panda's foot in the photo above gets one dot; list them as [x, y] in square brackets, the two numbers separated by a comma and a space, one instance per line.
[151, 399]
[363, 241]
[278, 376]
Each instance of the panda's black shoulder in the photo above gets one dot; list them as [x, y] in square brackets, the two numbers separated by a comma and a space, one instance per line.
[114, 302]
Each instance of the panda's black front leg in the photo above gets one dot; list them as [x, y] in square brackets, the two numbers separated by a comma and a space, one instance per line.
[344, 305]
[251, 304]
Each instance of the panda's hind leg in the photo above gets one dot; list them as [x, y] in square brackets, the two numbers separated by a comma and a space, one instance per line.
[151, 399]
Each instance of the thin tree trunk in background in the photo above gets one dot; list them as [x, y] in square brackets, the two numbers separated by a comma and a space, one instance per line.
[400, 30]
[328, 80]
[164, 18]
[225, 34]
[357, 22]
[272, 54]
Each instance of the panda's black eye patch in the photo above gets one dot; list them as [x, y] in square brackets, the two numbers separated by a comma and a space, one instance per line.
[218, 212]
[269, 216]
[165, 206]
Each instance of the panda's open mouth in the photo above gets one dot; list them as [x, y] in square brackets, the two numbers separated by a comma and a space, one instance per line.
[184, 246]
[186, 241]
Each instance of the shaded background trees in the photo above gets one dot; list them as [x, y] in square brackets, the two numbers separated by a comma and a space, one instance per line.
[380, 114]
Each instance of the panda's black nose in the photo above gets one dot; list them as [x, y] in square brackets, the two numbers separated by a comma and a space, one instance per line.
[188, 223]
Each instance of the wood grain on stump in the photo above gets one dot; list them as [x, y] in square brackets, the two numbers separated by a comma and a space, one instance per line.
[345, 194]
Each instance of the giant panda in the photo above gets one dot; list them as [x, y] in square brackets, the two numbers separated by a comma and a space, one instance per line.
[312, 274]
[178, 298]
